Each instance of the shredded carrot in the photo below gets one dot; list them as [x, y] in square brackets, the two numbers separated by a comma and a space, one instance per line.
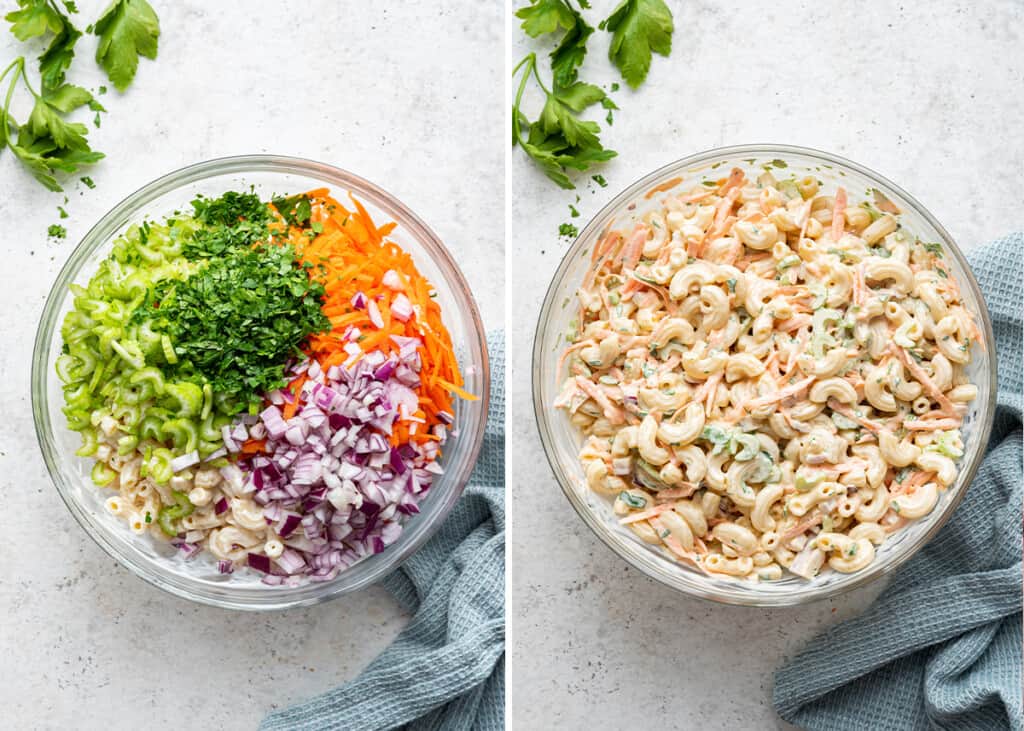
[919, 373]
[911, 483]
[777, 396]
[645, 514]
[930, 424]
[838, 215]
[253, 446]
[667, 185]
[351, 255]
[803, 526]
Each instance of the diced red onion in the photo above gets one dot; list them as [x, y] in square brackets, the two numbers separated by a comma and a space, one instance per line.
[274, 421]
[331, 469]
[392, 281]
[374, 313]
[401, 308]
[291, 561]
[291, 522]
[259, 562]
[229, 443]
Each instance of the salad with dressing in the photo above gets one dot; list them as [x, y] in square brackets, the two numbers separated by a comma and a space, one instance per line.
[769, 377]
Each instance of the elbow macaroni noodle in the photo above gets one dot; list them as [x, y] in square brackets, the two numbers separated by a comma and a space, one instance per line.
[770, 380]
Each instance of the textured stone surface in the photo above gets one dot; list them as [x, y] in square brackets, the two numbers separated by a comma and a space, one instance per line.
[926, 95]
[410, 97]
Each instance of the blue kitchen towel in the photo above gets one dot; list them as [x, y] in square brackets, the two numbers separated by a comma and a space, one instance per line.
[941, 647]
[446, 670]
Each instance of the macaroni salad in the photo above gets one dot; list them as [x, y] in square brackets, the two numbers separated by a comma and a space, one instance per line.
[769, 378]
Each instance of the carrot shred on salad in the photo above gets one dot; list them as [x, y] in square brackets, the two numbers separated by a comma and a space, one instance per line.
[352, 258]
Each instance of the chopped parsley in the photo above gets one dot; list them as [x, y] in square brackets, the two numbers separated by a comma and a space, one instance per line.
[56, 231]
[236, 320]
[233, 221]
[295, 210]
[568, 230]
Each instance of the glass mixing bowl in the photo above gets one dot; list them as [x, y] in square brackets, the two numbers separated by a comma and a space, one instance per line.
[157, 562]
[562, 441]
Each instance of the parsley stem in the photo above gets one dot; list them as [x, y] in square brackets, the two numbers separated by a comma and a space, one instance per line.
[531, 60]
[28, 84]
[19, 62]
[11, 65]
[540, 83]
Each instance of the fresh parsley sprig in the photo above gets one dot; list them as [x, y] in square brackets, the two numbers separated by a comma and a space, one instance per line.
[47, 143]
[559, 139]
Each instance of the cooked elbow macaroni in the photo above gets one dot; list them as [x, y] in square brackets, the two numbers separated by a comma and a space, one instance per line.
[769, 379]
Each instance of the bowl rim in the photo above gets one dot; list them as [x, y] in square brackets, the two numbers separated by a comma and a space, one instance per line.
[183, 586]
[636, 556]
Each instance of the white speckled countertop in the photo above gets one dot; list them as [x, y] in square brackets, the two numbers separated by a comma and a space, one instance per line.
[926, 95]
[409, 97]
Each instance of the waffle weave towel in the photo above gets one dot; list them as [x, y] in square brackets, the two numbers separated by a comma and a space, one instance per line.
[941, 647]
[446, 669]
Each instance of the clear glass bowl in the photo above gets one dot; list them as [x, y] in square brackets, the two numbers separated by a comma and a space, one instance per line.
[562, 441]
[198, 578]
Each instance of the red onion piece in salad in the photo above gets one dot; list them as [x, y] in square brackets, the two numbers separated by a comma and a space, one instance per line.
[331, 485]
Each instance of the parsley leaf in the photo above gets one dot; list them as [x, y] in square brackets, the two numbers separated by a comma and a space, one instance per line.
[68, 98]
[559, 114]
[37, 165]
[35, 18]
[546, 16]
[57, 231]
[570, 52]
[638, 27]
[45, 120]
[57, 58]
[127, 29]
